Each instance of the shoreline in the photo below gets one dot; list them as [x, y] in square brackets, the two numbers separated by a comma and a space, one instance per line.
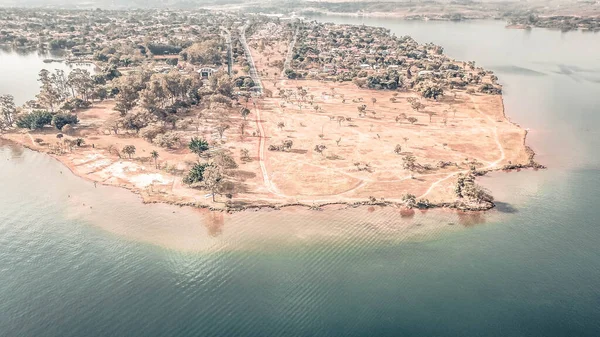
[476, 142]
[400, 16]
[270, 201]
[317, 206]
[509, 22]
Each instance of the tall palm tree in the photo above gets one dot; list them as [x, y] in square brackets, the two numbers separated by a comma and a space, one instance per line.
[155, 156]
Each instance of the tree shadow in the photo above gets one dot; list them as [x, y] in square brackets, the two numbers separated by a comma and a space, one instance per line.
[243, 175]
[504, 207]
[214, 223]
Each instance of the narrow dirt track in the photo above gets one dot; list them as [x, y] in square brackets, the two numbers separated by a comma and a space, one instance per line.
[492, 165]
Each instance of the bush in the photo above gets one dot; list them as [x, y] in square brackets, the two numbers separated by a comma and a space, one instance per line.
[432, 92]
[490, 89]
[218, 98]
[34, 120]
[224, 160]
[62, 119]
[75, 104]
[409, 199]
[150, 132]
[168, 140]
[291, 74]
[67, 129]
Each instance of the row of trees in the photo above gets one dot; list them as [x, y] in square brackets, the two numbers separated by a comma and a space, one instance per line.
[34, 120]
[37, 119]
[56, 87]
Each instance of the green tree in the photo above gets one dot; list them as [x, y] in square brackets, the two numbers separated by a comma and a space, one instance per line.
[198, 146]
[244, 112]
[432, 92]
[135, 121]
[196, 174]
[61, 119]
[171, 84]
[128, 94]
[206, 52]
[466, 188]
[409, 162]
[154, 154]
[431, 114]
[129, 150]
[34, 120]
[81, 81]
[49, 96]
[213, 180]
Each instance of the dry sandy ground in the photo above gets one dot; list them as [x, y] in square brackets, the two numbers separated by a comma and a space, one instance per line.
[466, 130]
[478, 133]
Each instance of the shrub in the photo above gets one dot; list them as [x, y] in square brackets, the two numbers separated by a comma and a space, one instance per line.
[291, 74]
[62, 119]
[168, 140]
[68, 129]
[409, 199]
[432, 92]
[74, 104]
[225, 161]
[490, 89]
[150, 132]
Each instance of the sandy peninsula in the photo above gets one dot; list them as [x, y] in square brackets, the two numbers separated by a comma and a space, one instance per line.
[305, 134]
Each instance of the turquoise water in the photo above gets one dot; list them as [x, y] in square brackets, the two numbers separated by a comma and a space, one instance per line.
[530, 269]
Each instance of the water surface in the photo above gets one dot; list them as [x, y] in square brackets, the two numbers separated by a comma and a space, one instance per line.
[20, 68]
[530, 269]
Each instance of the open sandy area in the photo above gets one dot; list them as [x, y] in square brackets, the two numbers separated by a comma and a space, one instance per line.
[361, 156]
[476, 133]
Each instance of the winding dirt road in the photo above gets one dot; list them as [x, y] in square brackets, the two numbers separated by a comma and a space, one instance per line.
[262, 134]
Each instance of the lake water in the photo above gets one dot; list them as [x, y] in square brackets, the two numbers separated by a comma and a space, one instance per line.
[20, 72]
[82, 261]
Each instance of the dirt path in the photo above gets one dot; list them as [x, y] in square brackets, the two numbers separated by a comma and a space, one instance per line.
[261, 155]
[253, 73]
[490, 166]
[288, 58]
[262, 134]
[496, 138]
